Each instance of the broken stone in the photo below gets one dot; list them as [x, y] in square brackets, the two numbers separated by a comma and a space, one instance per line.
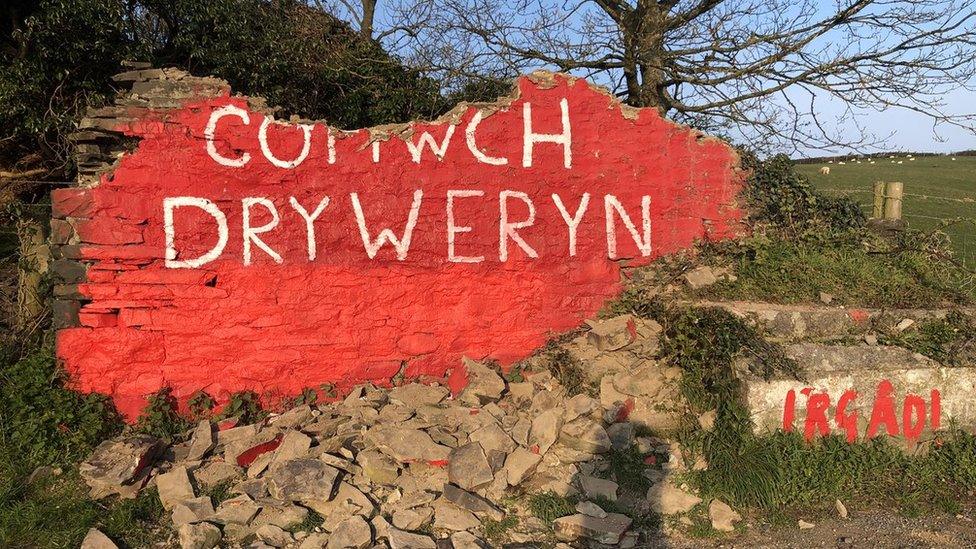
[450, 517]
[292, 418]
[412, 519]
[590, 509]
[192, 510]
[521, 393]
[826, 298]
[302, 480]
[236, 510]
[484, 383]
[216, 472]
[202, 441]
[398, 539]
[700, 277]
[378, 467]
[492, 437]
[95, 539]
[174, 487]
[667, 499]
[722, 516]
[467, 540]
[315, 541]
[621, 436]
[613, 333]
[199, 536]
[118, 462]
[545, 430]
[406, 445]
[520, 465]
[468, 467]
[520, 433]
[352, 533]
[478, 505]
[273, 535]
[293, 445]
[595, 487]
[417, 395]
[904, 325]
[586, 436]
[841, 508]
[607, 530]
[580, 405]
[348, 501]
[871, 339]
[804, 525]
[281, 514]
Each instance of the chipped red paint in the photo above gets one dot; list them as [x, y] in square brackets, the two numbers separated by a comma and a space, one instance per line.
[859, 315]
[247, 457]
[345, 318]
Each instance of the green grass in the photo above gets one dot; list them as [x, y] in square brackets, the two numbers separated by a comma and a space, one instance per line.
[936, 188]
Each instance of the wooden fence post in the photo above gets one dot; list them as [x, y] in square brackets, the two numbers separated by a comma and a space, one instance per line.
[879, 192]
[895, 191]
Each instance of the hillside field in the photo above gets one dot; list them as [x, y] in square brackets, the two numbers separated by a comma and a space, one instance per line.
[936, 188]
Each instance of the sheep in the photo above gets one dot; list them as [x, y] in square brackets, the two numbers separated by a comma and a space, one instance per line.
[825, 171]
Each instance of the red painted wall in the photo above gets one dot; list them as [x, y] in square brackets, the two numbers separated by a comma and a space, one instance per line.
[345, 318]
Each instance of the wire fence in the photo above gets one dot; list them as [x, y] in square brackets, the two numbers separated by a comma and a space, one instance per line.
[954, 215]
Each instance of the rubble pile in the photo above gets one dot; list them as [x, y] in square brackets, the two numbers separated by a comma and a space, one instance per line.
[415, 466]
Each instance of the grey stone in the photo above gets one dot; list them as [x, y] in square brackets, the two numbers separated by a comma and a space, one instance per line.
[174, 487]
[192, 510]
[294, 445]
[412, 519]
[468, 467]
[613, 333]
[293, 418]
[478, 505]
[621, 435]
[398, 539]
[348, 501]
[406, 445]
[315, 541]
[590, 509]
[607, 530]
[95, 539]
[467, 540]
[667, 499]
[484, 383]
[378, 467]
[722, 516]
[302, 480]
[451, 517]
[352, 533]
[281, 514]
[492, 437]
[273, 535]
[520, 465]
[202, 441]
[416, 395]
[595, 487]
[545, 429]
[586, 436]
[702, 276]
[199, 536]
[236, 510]
[118, 462]
[216, 472]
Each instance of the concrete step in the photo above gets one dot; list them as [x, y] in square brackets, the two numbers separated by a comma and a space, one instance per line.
[822, 323]
[862, 391]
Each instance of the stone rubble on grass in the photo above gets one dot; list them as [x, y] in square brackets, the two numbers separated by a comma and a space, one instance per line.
[414, 466]
[95, 539]
[722, 516]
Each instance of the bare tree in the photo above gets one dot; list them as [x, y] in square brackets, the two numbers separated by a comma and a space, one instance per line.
[760, 67]
[394, 23]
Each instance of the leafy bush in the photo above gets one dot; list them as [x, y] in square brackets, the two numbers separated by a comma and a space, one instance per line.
[161, 418]
[782, 197]
[42, 421]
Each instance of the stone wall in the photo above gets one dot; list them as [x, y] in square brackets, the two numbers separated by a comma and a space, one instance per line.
[209, 247]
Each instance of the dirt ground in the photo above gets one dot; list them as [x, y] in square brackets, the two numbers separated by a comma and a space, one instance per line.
[859, 530]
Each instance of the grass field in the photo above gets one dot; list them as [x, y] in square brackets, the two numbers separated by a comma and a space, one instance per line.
[936, 188]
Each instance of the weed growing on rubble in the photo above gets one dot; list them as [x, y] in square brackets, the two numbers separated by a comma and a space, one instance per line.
[161, 418]
[548, 506]
[244, 405]
[950, 341]
[628, 467]
[567, 369]
[496, 531]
